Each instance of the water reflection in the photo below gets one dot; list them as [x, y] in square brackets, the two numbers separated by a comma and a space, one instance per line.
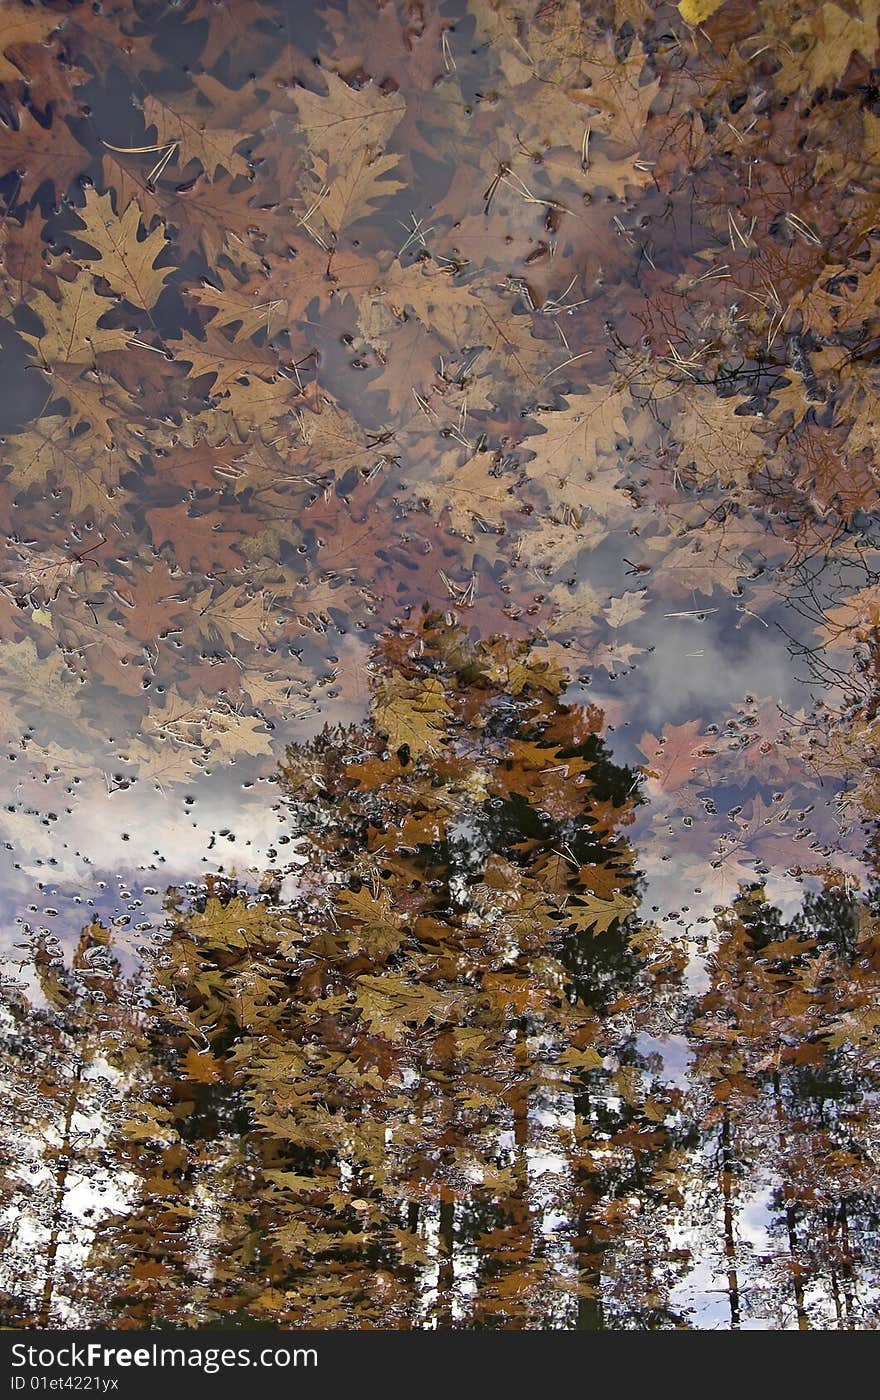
[457, 1077]
[438, 636]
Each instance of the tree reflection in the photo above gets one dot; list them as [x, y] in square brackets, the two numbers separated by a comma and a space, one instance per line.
[66, 1048]
[411, 1095]
[785, 1074]
[414, 1082]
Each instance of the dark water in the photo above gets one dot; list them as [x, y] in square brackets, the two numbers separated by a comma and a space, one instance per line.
[439, 500]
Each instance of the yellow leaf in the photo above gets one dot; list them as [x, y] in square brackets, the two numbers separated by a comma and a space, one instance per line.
[411, 713]
[590, 914]
[201, 1067]
[695, 11]
[581, 1059]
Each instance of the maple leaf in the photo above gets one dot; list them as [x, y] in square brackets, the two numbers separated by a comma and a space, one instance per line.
[127, 262]
[577, 605]
[836, 35]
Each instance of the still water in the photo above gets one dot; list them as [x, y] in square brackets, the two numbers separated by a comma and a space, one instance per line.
[439, 649]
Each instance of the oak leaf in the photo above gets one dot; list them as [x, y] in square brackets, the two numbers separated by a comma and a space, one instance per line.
[51, 452]
[212, 147]
[71, 330]
[126, 261]
[590, 914]
[26, 149]
[23, 25]
[379, 928]
[228, 734]
[411, 713]
[566, 458]
[346, 131]
[470, 491]
[717, 442]
[676, 756]
[233, 612]
[389, 1003]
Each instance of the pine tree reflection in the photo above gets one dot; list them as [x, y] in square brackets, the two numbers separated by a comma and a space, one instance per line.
[411, 1096]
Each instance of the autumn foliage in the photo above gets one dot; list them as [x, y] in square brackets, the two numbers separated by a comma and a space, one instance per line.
[436, 416]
